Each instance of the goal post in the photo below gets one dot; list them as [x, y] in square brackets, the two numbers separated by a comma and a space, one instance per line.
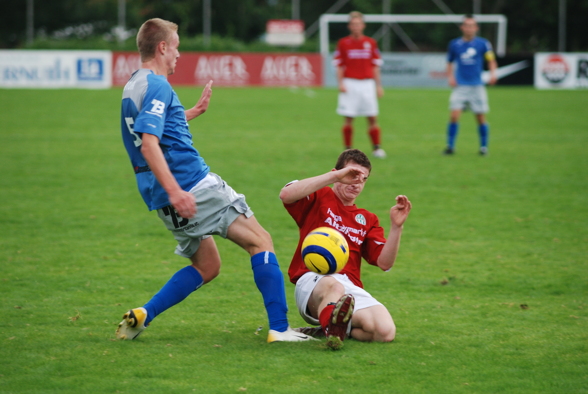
[325, 19]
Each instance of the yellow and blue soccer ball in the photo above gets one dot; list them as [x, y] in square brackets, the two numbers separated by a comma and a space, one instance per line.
[325, 251]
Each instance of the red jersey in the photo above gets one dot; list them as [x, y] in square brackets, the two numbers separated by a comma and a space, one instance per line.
[358, 56]
[360, 227]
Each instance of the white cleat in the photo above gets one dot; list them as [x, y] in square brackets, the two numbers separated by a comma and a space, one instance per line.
[132, 325]
[379, 153]
[288, 336]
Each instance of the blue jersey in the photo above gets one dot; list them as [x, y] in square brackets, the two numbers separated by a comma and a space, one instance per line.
[150, 105]
[469, 57]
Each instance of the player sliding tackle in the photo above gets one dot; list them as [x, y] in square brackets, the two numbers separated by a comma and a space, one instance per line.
[192, 202]
[338, 302]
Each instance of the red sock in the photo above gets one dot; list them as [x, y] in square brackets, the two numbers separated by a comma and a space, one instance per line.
[375, 136]
[325, 315]
[347, 136]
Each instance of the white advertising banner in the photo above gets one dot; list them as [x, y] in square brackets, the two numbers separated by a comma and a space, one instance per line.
[404, 70]
[561, 70]
[55, 69]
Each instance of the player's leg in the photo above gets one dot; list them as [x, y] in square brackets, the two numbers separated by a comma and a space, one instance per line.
[480, 107]
[251, 236]
[483, 132]
[329, 304]
[348, 106]
[347, 132]
[204, 268]
[457, 102]
[452, 130]
[373, 324]
[374, 133]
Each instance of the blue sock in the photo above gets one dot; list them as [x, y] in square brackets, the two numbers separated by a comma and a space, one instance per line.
[452, 129]
[181, 284]
[270, 282]
[483, 130]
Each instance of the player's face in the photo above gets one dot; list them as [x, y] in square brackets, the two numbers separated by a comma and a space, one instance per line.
[356, 26]
[172, 53]
[348, 193]
[469, 27]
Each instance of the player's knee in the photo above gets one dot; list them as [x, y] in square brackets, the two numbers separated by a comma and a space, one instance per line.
[266, 239]
[208, 272]
[386, 333]
[331, 287]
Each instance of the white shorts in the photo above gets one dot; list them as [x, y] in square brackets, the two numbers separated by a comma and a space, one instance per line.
[472, 97]
[360, 99]
[307, 283]
[218, 206]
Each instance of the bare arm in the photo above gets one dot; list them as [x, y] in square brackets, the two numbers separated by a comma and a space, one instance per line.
[378, 79]
[492, 65]
[181, 200]
[451, 75]
[340, 72]
[398, 215]
[202, 104]
[298, 190]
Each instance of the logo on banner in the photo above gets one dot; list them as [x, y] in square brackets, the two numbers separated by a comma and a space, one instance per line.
[555, 69]
[290, 70]
[124, 66]
[224, 70]
[90, 69]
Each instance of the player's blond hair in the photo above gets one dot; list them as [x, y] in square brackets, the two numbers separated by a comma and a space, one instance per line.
[151, 33]
[355, 14]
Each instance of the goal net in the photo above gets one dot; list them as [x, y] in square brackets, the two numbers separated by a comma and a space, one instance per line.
[327, 19]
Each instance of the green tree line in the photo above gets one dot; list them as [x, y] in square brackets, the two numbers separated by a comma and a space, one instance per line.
[533, 25]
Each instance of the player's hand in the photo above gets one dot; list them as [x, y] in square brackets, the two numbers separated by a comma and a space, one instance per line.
[351, 175]
[184, 203]
[380, 91]
[400, 211]
[342, 87]
[451, 81]
[202, 104]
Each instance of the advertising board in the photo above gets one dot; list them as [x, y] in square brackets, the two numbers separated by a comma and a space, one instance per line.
[232, 69]
[55, 69]
[561, 70]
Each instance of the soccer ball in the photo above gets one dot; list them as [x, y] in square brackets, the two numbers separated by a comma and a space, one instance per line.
[325, 251]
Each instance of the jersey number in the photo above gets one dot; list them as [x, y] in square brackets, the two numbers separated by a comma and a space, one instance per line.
[130, 122]
[168, 211]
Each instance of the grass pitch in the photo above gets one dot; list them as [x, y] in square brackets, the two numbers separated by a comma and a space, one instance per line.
[489, 292]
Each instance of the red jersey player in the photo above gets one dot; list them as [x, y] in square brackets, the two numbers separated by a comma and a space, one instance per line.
[358, 62]
[338, 302]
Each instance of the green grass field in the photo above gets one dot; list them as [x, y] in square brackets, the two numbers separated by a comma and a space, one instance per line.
[489, 292]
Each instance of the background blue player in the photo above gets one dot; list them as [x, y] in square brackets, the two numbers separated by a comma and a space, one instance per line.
[468, 53]
[192, 202]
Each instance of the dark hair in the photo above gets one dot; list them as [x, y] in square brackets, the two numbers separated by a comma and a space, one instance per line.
[354, 155]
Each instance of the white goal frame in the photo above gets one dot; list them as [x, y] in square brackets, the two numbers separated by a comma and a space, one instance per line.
[325, 19]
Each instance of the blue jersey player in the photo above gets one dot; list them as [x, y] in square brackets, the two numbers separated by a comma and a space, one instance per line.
[192, 202]
[468, 53]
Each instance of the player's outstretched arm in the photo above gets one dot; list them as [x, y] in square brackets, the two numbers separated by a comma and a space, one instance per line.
[398, 215]
[202, 104]
[181, 200]
[295, 191]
